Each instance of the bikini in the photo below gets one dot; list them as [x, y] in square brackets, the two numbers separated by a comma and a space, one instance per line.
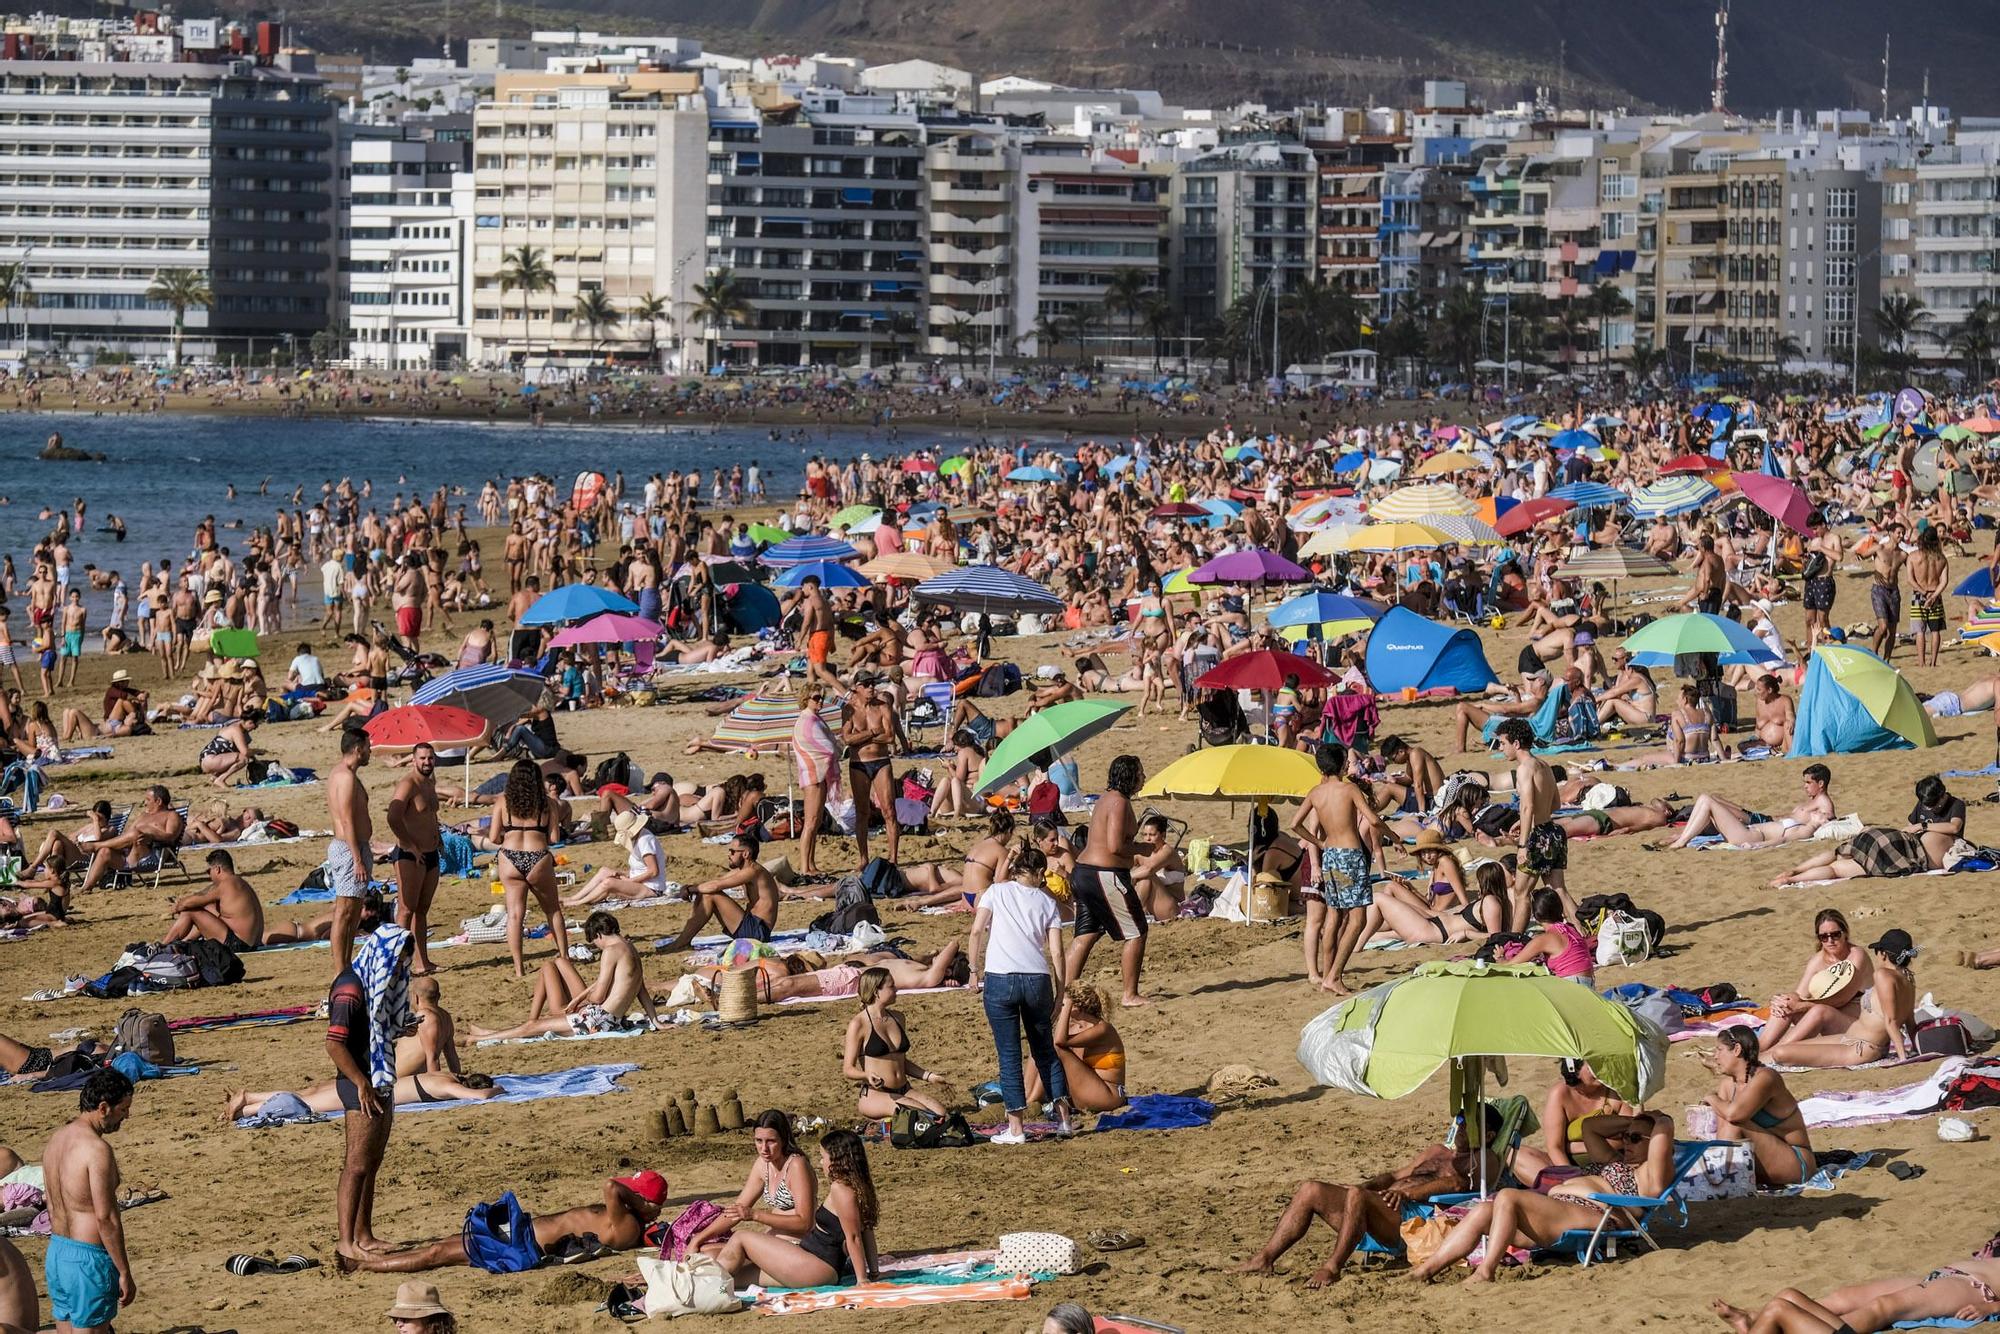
[1763, 1119]
[777, 1192]
[525, 860]
[875, 1048]
[827, 1243]
[423, 1094]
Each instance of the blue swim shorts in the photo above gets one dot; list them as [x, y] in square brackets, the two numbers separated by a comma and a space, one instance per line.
[1344, 879]
[82, 1282]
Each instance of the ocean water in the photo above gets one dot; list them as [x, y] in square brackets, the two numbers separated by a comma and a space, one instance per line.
[164, 473]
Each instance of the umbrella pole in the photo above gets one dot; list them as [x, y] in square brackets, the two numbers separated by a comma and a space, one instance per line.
[1250, 873]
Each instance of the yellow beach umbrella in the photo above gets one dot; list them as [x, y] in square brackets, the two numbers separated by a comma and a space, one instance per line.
[915, 565]
[1416, 502]
[1238, 773]
[1393, 537]
[1443, 465]
[1326, 541]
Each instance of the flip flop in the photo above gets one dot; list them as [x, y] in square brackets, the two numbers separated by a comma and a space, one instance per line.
[1114, 1239]
[243, 1266]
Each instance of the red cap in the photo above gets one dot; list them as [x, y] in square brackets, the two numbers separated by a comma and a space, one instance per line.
[648, 1185]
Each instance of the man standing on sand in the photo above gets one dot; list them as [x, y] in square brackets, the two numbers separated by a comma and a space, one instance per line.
[407, 600]
[1885, 594]
[1929, 573]
[1711, 580]
[1340, 825]
[88, 1274]
[413, 822]
[348, 861]
[525, 645]
[1544, 842]
[367, 1009]
[816, 629]
[1101, 885]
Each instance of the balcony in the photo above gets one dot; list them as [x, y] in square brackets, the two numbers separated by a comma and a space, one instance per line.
[997, 193]
[942, 253]
[1348, 231]
[951, 223]
[947, 285]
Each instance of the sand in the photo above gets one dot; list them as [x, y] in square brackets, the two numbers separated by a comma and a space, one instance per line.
[1202, 1199]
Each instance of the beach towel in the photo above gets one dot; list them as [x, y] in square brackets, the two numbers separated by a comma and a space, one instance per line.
[1861, 1107]
[1159, 1111]
[633, 1032]
[583, 1082]
[1833, 1165]
[293, 1014]
[324, 894]
[456, 854]
[900, 991]
[905, 1291]
[1944, 1322]
[386, 976]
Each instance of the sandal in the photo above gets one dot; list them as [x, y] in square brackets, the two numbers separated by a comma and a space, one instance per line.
[1114, 1239]
[244, 1266]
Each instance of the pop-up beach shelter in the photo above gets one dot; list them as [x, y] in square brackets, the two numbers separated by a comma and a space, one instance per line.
[1853, 701]
[1409, 652]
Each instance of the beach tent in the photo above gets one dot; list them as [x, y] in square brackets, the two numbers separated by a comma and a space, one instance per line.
[1408, 652]
[752, 607]
[1853, 701]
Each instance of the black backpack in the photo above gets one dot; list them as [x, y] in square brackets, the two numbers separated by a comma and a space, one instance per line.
[1002, 678]
[883, 879]
[218, 965]
[615, 769]
[851, 907]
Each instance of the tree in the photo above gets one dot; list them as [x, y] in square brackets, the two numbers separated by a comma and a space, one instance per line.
[720, 303]
[1972, 341]
[1571, 321]
[16, 291]
[1786, 349]
[1646, 361]
[1455, 329]
[1895, 320]
[651, 311]
[963, 335]
[1081, 321]
[1051, 328]
[1605, 303]
[1318, 317]
[179, 290]
[1127, 294]
[594, 311]
[1158, 320]
[524, 270]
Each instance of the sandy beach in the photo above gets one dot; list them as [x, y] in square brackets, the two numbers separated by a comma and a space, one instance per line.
[1202, 1199]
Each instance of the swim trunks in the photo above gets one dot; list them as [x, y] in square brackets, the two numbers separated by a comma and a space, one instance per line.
[819, 647]
[72, 645]
[1882, 601]
[1343, 878]
[82, 1281]
[840, 980]
[1106, 903]
[1819, 593]
[1546, 849]
[409, 620]
[343, 877]
[594, 1019]
[1927, 616]
[752, 927]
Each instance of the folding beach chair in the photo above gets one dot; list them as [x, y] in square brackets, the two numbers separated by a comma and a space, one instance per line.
[1585, 1244]
[930, 707]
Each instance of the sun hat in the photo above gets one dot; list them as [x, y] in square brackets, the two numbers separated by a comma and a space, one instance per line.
[1830, 979]
[648, 1185]
[417, 1301]
[213, 595]
[626, 826]
[120, 676]
[1428, 840]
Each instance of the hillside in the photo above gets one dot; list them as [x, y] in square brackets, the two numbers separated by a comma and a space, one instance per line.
[1784, 53]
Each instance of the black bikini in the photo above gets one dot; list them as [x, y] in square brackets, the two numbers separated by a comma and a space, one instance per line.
[525, 860]
[827, 1242]
[874, 1048]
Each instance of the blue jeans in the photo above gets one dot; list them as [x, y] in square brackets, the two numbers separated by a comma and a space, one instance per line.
[1024, 1000]
[524, 737]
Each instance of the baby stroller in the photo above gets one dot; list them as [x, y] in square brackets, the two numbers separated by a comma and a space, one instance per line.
[1220, 720]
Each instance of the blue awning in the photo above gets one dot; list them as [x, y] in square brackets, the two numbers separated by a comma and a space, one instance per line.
[909, 254]
[857, 195]
[732, 125]
[891, 288]
[749, 159]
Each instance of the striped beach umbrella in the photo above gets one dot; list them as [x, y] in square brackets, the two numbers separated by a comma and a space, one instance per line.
[989, 588]
[800, 550]
[1672, 495]
[764, 721]
[496, 693]
[1590, 495]
[1467, 530]
[1393, 537]
[1613, 563]
[1420, 502]
[913, 565]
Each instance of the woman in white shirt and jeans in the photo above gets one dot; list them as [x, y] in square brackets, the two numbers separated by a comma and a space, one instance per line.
[1017, 934]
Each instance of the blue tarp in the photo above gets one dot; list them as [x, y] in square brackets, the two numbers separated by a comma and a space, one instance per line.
[753, 607]
[1408, 652]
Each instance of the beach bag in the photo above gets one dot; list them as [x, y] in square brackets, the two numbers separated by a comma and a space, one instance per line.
[170, 970]
[697, 1285]
[1424, 1234]
[851, 907]
[1659, 1009]
[1038, 1253]
[684, 1228]
[1622, 939]
[1723, 1172]
[500, 1238]
[215, 964]
[146, 1035]
[883, 879]
[1943, 1037]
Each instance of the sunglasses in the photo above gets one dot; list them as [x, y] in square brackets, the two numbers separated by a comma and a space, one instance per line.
[1833, 935]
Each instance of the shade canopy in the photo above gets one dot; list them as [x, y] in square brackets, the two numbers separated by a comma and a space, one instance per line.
[1658, 644]
[497, 694]
[1778, 498]
[1265, 669]
[802, 550]
[1254, 566]
[1678, 494]
[1852, 701]
[1416, 502]
[609, 628]
[765, 721]
[1397, 536]
[1046, 733]
[831, 574]
[989, 588]
[1236, 773]
[1518, 519]
[1590, 495]
[575, 602]
[1613, 563]
[1321, 608]
[916, 565]
[437, 725]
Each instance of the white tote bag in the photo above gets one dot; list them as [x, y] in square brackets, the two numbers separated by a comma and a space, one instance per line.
[1723, 1172]
[694, 1286]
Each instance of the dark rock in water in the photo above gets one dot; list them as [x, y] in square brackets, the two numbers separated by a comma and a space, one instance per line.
[56, 452]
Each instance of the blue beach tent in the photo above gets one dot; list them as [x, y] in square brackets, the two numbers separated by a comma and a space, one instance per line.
[1852, 701]
[1406, 651]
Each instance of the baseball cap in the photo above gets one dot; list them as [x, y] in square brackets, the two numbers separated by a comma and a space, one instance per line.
[1894, 942]
[648, 1185]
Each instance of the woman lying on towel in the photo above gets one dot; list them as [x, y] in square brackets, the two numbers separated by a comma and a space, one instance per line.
[1886, 1019]
[1443, 912]
[324, 1097]
[1753, 1105]
[778, 980]
[1966, 1290]
[1936, 822]
[1632, 1155]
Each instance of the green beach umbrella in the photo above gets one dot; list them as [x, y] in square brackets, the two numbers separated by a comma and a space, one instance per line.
[852, 515]
[1658, 644]
[765, 533]
[1956, 433]
[234, 644]
[1177, 582]
[954, 465]
[1060, 730]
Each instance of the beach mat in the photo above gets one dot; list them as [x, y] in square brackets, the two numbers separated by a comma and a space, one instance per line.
[903, 1292]
[582, 1082]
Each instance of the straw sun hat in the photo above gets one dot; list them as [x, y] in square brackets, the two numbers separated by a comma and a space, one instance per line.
[417, 1301]
[625, 826]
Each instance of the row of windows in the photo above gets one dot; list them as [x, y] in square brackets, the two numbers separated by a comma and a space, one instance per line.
[31, 179]
[148, 152]
[104, 121]
[410, 299]
[550, 162]
[613, 130]
[1054, 247]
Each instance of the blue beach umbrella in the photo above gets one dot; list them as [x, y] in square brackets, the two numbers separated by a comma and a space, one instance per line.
[802, 550]
[831, 574]
[1589, 495]
[1318, 608]
[989, 588]
[496, 693]
[1978, 584]
[576, 602]
[1033, 474]
[1569, 442]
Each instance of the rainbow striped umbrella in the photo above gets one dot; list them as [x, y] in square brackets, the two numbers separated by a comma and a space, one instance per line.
[1677, 494]
[764, 721]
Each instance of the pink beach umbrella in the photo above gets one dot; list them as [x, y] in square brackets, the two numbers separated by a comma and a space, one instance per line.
[1778, 498]
[610, 628]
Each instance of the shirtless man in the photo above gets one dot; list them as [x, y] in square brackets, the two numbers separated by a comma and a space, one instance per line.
[1101, 886]
[88, 1274]
[20, 1304]
[228, 910]
[407, 600]
[619, 1223]
[1929, 571]
[1544, 842]
[1711, 579]
[1422, 773]
[559, 1005]
[1336, 825]
[1536, 682]
[754, 919]
[881, 647]
[348, 858]
[155, 825]
[525, 645]
[1776, 714]
[816, 630]
[413, 820]
[1885, 595]
[870, 729]
[1631, 697]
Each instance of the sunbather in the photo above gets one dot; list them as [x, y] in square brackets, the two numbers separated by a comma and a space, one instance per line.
[774, 984]
[561, 1004]
[1966, 1290]
[325, 1095]
[781, 1192]
[1711, 814]
[1576, 1097]
[219, 826]
[154, 826]
[753, 919]
[1633, 1155]
[1375, 1207]
[1091, 1052]
[839, 1247]
[1936, 822]
[660, 803]
[1447, 911]
[228, 910]
[297, 931]
[1885, 1023]
[876, 1053]
[1752, 1104]
[1828, 996]
[619, 1223]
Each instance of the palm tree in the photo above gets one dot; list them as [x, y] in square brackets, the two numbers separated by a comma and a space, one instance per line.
[1646, 361]
[1972, 342]
[1126, 295]
[720, 302]
[179, 290]
[15, 291]
[1895, 320]
[1786, 349]
[1571, 321]
[594, 311]
[525, 270]
[1081, 321]
[650, 311]
[1158, 320]
[1606, 302]
[963, 335]
[1049, 332]
[1318, 317]
[1455, 330]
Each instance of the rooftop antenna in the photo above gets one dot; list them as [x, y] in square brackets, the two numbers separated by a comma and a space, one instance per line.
[1885, 77]
[1719, 97]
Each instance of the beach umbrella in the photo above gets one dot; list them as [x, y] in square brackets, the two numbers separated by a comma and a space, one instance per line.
[1333, 613]
[1688, 463]
[850, 516]
[1265, 669]
[1613, 563]
[1351, 461]
[1982, 424]
[1033, 474]
[438, 725]
[1327, 541]
[764, 534]
[764, 722]
[1778, 498]
[1392, 537]
[575, 602]
[804, 549]
[1658, 644]
[1466, 529]
[1443, 465]
[1420, 501]
[1956, 433]
[1590, 495]
[1978, 584]
[1055, 731]
[228, 643]
[1678, 494]
[1254, 566]
[1317, 512]
[954, 465]
[917, 463]
[496, 693]
[1243, 454]
[609, 628]
[1177, 582]
[831, 574]
[1520, 518]
[913, 565]
[1260, 774]
[1570, 441]
[988, 588]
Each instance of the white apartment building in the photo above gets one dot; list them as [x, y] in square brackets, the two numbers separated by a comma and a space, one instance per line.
[599, 177]
[1941, 237]
[405, 216]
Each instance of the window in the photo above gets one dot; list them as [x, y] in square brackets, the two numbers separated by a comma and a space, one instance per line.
[1840, 203]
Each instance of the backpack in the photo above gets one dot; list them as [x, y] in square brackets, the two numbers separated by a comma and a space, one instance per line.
[145, 1035]
[1002, 678]
[616, 769]
[915, 1128]
[883, 879]
[851, 907]
[499, 1237]
[170, 970]
[282, 828]
[216, 965]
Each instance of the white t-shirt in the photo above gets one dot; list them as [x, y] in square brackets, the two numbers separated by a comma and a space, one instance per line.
[332, 574]
[644, 846]
[310, 673]
[1022, 917]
